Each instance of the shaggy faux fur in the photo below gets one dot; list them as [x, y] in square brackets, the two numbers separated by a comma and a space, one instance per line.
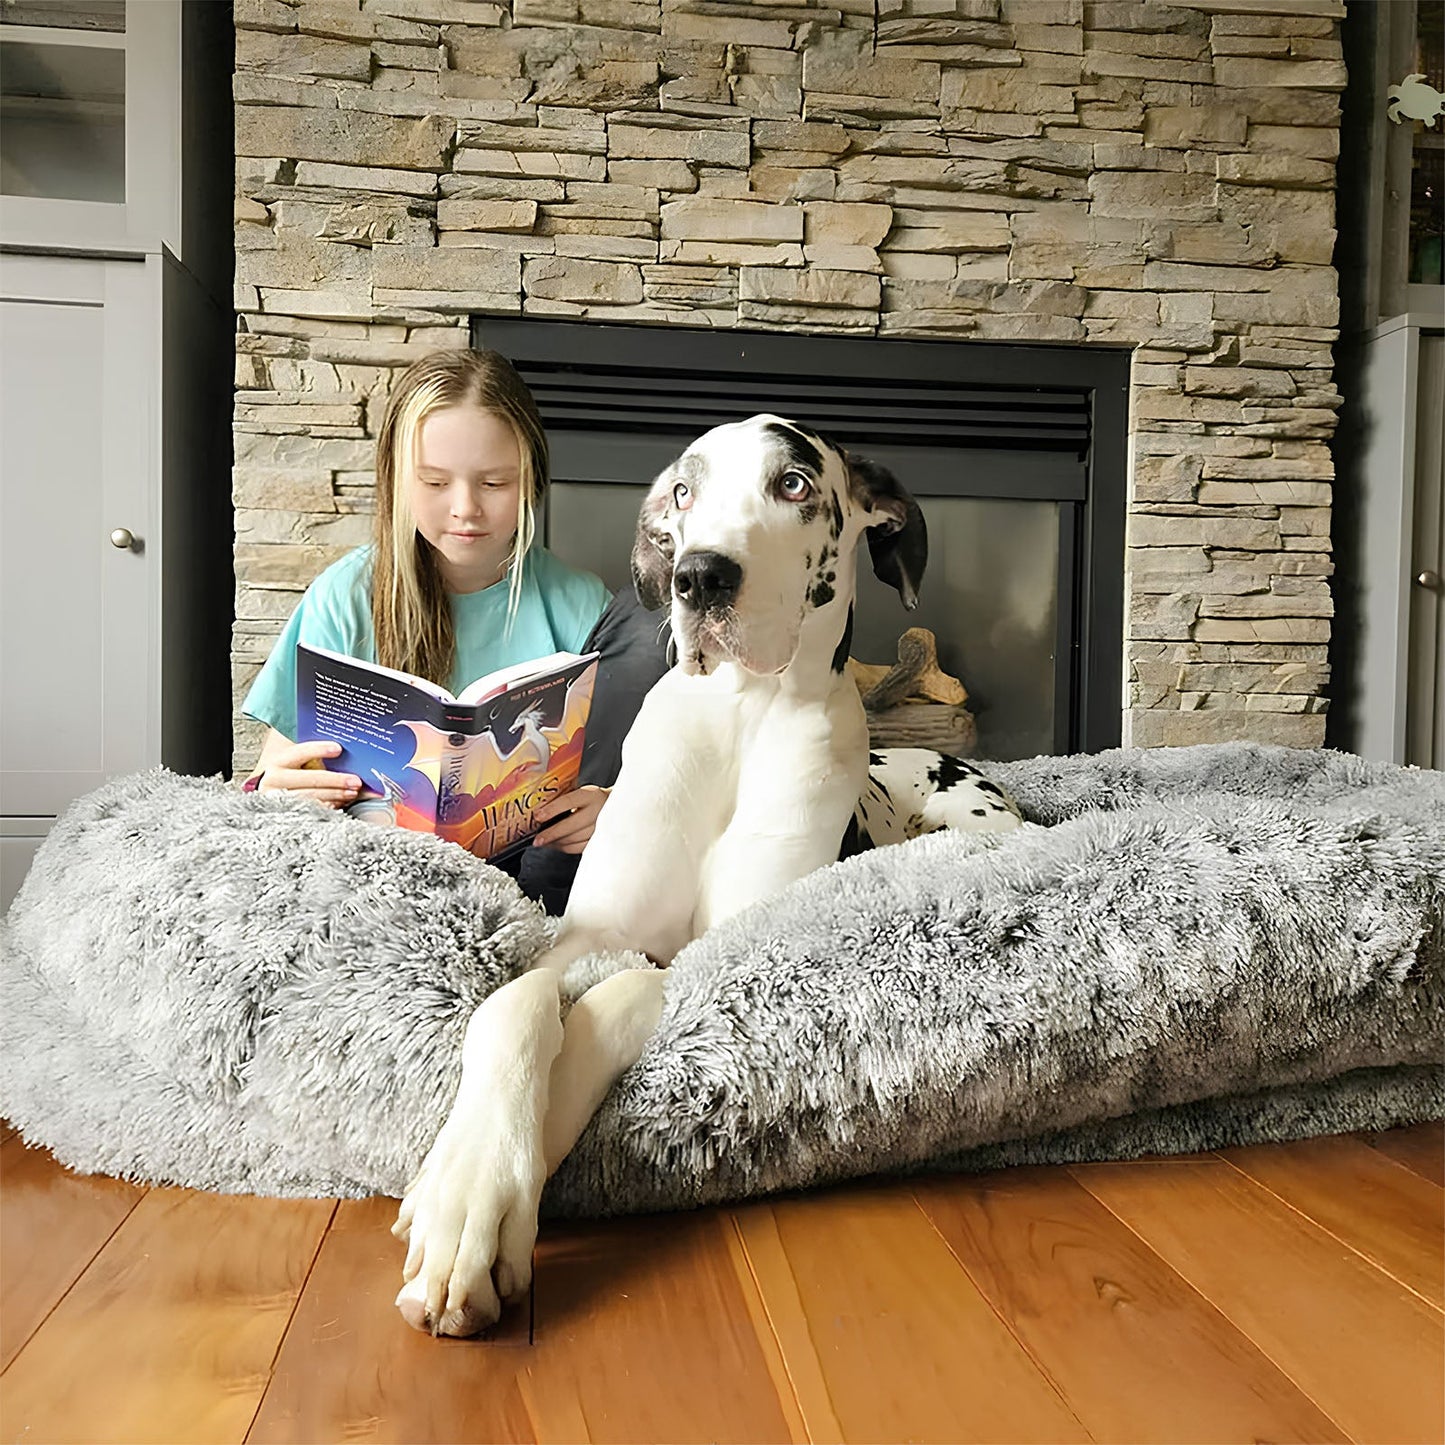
[1209, 945]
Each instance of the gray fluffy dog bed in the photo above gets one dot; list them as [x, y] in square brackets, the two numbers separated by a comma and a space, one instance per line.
[1207, 946]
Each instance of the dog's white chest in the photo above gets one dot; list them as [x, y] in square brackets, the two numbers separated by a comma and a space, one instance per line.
[732, 787]
[786, 770]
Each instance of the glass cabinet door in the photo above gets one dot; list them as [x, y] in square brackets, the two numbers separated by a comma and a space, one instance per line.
[62, 118]
[90, 139]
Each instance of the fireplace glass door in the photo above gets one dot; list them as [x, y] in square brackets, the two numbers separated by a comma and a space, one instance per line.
[1014, 453]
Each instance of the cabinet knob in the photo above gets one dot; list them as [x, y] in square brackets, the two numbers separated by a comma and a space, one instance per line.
[123, 538]
[1429, 580]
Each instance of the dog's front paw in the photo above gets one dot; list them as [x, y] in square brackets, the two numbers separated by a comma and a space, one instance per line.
[470, 1218]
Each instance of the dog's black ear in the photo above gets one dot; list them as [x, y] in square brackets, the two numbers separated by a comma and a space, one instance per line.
[898, 544]
[653, 548]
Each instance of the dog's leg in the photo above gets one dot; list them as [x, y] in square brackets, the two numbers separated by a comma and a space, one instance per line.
[471, 1213]
[605, 1034]
[528, 1089]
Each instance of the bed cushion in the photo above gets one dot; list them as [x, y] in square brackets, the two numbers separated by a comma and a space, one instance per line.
[1182, 949]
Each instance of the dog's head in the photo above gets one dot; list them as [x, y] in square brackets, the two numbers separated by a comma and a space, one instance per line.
[753, 529]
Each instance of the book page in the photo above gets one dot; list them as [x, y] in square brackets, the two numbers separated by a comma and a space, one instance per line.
[392, 734]
[526, 751]
[505, 677]
[421, 684]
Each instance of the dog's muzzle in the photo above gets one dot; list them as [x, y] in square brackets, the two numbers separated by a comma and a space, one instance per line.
[706, 582]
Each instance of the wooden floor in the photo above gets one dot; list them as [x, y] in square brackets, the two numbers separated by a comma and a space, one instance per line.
[1279, 1293]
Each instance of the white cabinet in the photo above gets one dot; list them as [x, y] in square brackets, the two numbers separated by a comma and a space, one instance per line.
[1398, 672]
[1388, 690]
[1425, 664]
[78, 447]
[115, 520]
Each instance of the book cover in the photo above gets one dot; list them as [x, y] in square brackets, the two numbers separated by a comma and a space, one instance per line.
[472, 769]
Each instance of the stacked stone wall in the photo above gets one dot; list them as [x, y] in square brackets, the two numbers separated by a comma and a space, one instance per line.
[1110, 172]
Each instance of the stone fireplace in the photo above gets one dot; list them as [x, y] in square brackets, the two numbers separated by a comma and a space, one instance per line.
[1130, 175]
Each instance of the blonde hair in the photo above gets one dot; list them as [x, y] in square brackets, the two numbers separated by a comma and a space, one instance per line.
[410, 610]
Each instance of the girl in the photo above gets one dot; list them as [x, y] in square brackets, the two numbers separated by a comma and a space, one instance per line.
[453, 586]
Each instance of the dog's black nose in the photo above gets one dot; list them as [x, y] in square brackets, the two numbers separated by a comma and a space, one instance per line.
[706, 580]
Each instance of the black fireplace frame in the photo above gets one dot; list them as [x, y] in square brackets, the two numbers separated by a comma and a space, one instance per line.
[620, 401]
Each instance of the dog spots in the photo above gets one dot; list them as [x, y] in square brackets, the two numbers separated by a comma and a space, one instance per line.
[845, 644]
[822, 504]
[821, 589]
[856, 838]
[928, 791]
[950, 772]
[797, 450]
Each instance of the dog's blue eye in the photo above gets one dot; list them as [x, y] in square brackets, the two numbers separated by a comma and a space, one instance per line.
[795, 486]
[682, 496]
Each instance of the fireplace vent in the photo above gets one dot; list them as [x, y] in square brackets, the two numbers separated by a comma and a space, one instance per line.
[898, 411]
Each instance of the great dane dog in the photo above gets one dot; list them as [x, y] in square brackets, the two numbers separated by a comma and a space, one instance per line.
[740, 775]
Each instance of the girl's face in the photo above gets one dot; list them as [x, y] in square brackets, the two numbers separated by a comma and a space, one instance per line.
[464, 493]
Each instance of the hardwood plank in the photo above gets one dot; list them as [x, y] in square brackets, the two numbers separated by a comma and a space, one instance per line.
[170, 1334]
[1363, 1348]
[1420, 1147]
[7, 1130]
[351, 1369]
[907, 1347]
[642, 1332]
[1136, 1352]
[767, 1337]
[52, 1224]
[757, 1231]
[1388, 1213]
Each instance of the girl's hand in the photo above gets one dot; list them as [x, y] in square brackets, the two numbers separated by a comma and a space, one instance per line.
[288, 767]
[577, 812]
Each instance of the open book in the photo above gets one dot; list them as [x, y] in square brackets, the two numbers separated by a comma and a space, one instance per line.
[472, 768]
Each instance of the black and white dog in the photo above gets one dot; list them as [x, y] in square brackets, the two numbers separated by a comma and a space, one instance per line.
[912, 791]
[740, 775]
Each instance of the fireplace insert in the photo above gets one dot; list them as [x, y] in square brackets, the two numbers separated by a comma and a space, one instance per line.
[1015, 452]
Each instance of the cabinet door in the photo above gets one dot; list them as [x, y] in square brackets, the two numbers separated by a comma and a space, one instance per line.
[90, 122]
[1425, 692]
[78, 455]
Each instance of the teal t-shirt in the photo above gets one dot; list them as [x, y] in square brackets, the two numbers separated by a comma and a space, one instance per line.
[559, 607]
